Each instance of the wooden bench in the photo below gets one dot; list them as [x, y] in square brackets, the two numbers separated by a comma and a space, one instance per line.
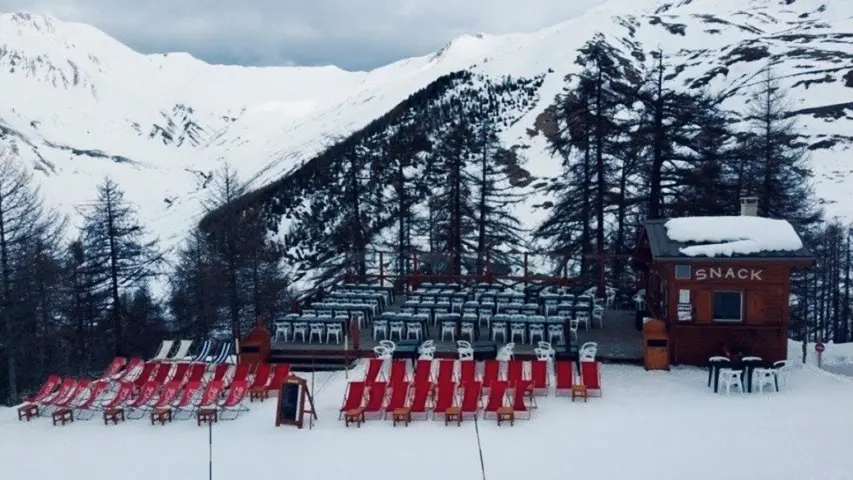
[207, 415]
[161, 415]
[402, 415]
[114, 415]
[355, 416]
[580, 391]
[453, 414]
[505, 414]
[28, 411]
[63, 415]
[259, 393]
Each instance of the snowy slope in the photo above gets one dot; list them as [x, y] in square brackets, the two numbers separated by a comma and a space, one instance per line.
[646, 426]
[79, 105]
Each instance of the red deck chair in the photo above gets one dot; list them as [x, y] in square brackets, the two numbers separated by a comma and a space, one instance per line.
[114, 368]
[47, 388]
[180, 372]
[168, 394]
[420, 398]
[261, 378]
[491, 372]
[564, 373]
[423, 372]
[472, 399]
[136, 408]
[539, 377]
[398, 372]
[125, 390]
[220, 372]
[59, 394]
[241, 374]
[144, 375]
[131, 370]
[196, 375]
[497, 397]
[375, 398]
[280, 374]
[467, 372]
[67, 399]
[374, 370]
[518, 404]
[353, 397]
[445, 397]
[184, 406]
[161, 376]
[445, 371]
[514, 372]
[209, 395]
[399, 395]
[233, 403]
[591, 376]
[89, 401]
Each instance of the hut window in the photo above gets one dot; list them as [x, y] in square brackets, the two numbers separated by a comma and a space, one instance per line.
[682, 272]
[728, 306]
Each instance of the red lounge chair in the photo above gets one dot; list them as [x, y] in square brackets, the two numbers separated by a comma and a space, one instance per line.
[423, 372]
[139, 405]
[131, 370]
[472, 399]
[398, 372]
[144, 375]
[445, 397]
[114, 368]
[353, 397]
[66, 399]
[196, 373]
[209, 396]
[514, 372]
[47, 388]
[497, 397]
[241, 374]
[168, 395]
[233, 403]
[539, 377]
[467, 372]
[220, 372]
[59, 394]
[261, 378]
[563, 377]
[125, 390]
[519, 394]
[161, 376]
[280, 375]
[491, 371]
[591, 376]
[180, 372]
[184, 407]
[89, 402]
[374, 370]
[445, 371]
[399, 395]
[375, 399]
[420, 397]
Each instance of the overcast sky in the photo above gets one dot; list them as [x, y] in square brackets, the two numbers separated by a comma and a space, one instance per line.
[354, 34]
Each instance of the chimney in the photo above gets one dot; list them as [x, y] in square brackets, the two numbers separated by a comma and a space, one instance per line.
[749, 206]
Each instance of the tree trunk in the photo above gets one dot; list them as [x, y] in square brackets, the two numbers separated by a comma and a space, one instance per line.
[6, 273]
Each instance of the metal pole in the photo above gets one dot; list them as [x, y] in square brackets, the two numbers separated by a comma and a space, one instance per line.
[210, 449]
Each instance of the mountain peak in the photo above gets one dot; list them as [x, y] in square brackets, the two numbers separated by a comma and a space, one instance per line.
[36, 21]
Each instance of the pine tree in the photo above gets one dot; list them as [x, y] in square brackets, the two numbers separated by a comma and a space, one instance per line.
[119, 254]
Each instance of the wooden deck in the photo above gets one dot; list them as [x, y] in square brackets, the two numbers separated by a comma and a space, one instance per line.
[618, 341]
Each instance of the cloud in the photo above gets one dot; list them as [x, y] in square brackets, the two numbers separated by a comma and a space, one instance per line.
[354, 34]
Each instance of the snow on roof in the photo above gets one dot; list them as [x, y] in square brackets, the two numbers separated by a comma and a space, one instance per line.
[732, 235]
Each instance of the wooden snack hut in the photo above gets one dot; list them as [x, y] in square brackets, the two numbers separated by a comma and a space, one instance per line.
[721, 283]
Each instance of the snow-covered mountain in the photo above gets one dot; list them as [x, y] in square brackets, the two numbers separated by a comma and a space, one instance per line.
[77, 104]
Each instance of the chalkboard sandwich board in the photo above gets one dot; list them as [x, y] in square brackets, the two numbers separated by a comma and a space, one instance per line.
[294, 401]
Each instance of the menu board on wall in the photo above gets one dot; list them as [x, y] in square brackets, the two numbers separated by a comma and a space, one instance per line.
[685, 312]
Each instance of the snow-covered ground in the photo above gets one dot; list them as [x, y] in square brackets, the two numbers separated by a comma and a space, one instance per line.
[837, 358]
[647, 425]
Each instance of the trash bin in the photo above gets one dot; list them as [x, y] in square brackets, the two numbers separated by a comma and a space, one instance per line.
[655, 346]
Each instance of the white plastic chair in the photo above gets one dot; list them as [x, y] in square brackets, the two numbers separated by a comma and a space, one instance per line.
[731, 378]
[762, 377]
[583, 317]
[389, 345]
[334, 329]
[381, 352]
[598, 315]
[464, 344]
[380, 326]
[316, 329]
[165, 348]
[428, 344]
[413, 330]
[556, 332]
[518, 329]
[537, 330]
[506, 353]
[448, 328]
[301, 329]
[282, 329]
[465, 353]
[467, 329]
[782, 369]
[397, 326]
